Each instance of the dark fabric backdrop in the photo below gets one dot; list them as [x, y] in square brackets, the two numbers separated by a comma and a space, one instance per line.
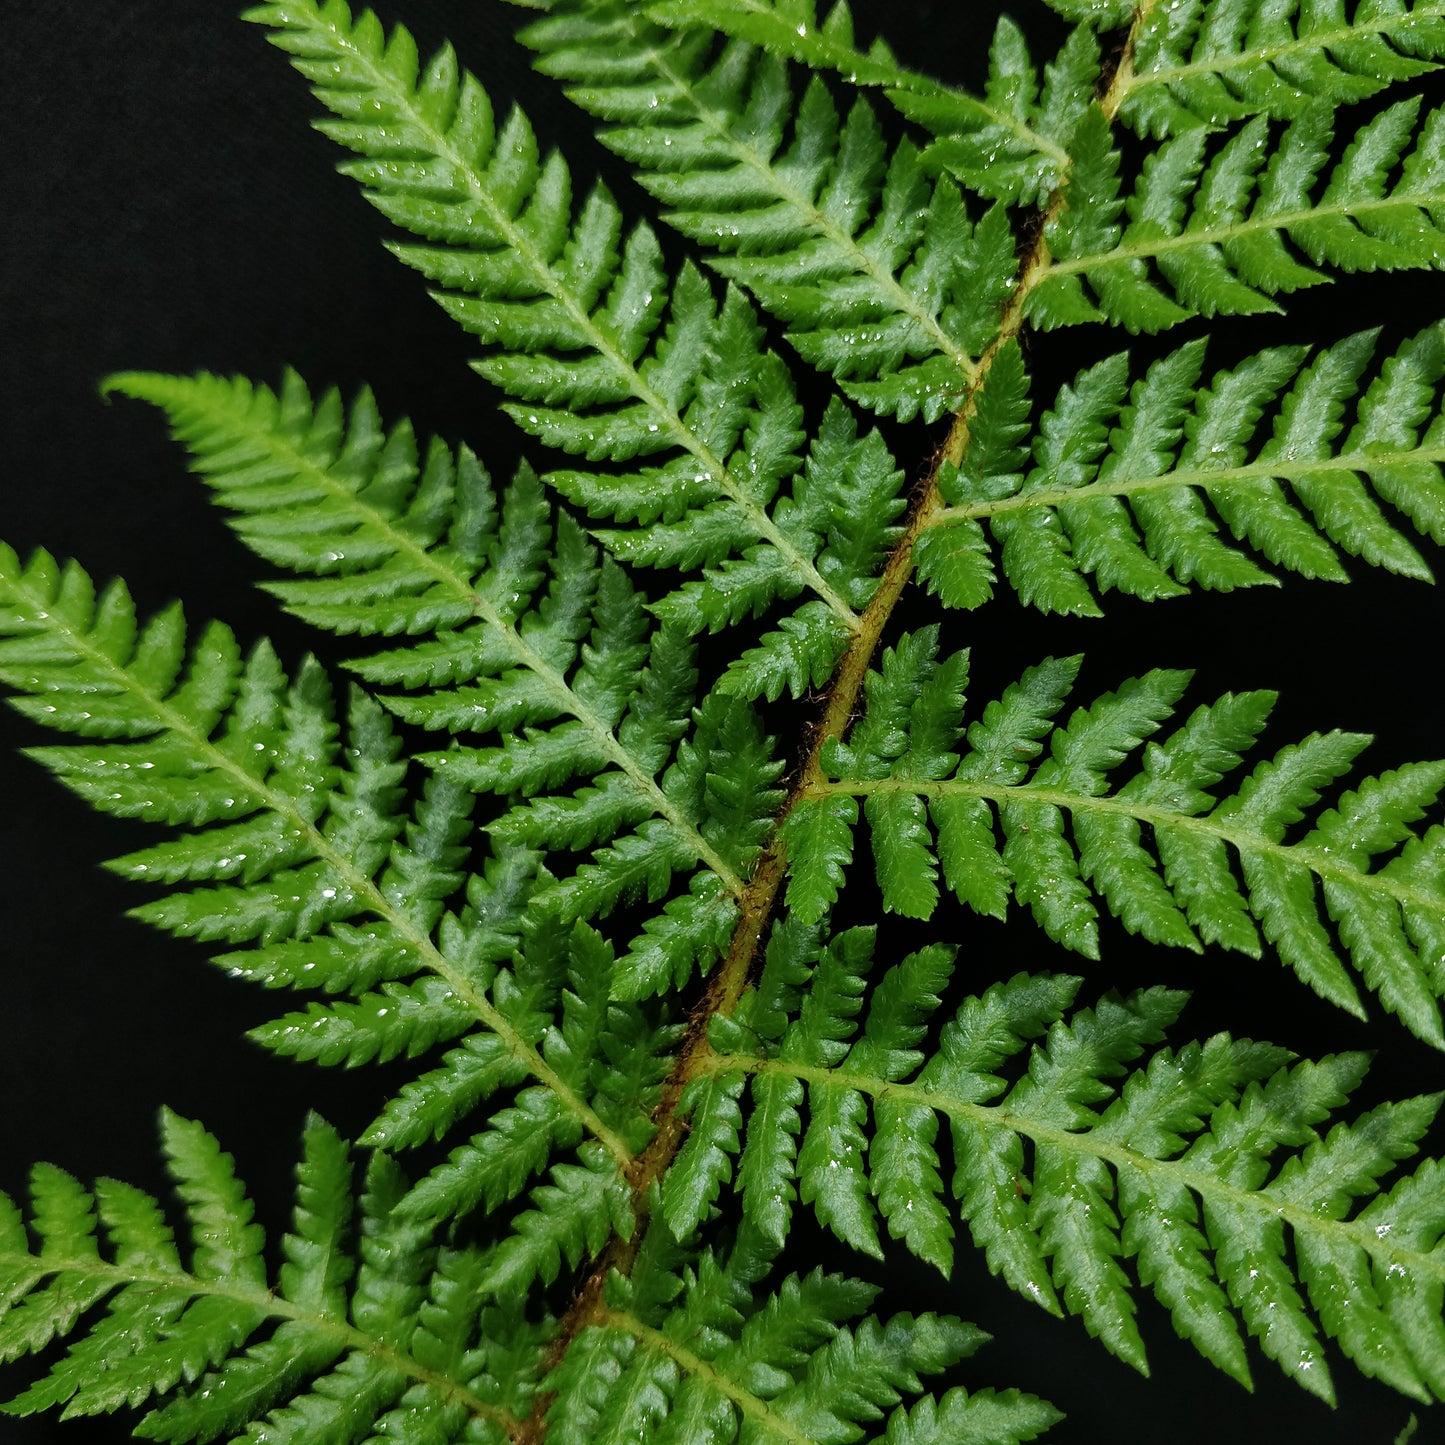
[167, 207]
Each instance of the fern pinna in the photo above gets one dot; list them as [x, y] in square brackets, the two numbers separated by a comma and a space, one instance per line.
[653, 806]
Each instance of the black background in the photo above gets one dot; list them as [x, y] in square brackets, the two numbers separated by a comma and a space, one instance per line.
[166, 207]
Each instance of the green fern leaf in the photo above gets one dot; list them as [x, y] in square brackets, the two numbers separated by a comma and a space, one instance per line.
[274, 457]
[1188, 890]
[182, 1329]
[1198, 65]
[1127, 506]
[437, 549]
[572, 1217]
[788, 1366]
[519, 272]
[1011, 143]
[705, 1163]
[876, 271]
[575, 845]
[1129, 1172]
[417, 975]
[1213, 226]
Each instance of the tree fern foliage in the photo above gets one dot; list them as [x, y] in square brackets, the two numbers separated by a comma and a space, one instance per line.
[968, 790]
[374, 1329]
[640, 827]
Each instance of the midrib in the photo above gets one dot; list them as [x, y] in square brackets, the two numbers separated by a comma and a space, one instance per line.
[864, 264]
[268, 1304]
[862, 69]
[1222, 235]
[568, 699]
[1202, 477]
[1317, 859]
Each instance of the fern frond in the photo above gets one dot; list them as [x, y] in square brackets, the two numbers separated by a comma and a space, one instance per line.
[1190, 1172]
[553, 654]
[298, 847]
[687, 1347]
[1066, 831]
[606, 360]
[357, 899]
[570, 1220]
[1129, 482]
[1206, 227]
[1189, 69]
[339, 1342]
[512, 637]
[204, 740]
[618, 1136]
[1196, 64]
[1010, 144]
[876, 269]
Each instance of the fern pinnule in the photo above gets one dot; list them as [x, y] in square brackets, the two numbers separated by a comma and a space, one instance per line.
[1192, 68]
[1070, 835]
[352, 1330]
[1279, 446]
[1193, 1168]
[1010, 144]
[307, 855]
[554, 657]
[1213, 225]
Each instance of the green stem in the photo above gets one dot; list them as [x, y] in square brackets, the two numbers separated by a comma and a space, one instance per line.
[1317, 860]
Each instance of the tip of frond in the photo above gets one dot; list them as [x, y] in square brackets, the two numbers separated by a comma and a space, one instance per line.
[142, 385]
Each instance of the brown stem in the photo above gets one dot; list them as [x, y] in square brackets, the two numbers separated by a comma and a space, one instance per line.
[759, 898]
